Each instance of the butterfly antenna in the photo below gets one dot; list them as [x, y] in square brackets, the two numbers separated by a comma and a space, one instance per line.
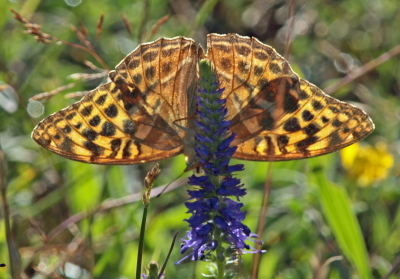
[182, 127]
[166, 187]
[195, 167]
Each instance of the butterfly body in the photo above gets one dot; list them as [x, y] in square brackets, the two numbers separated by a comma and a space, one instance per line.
[146, 112]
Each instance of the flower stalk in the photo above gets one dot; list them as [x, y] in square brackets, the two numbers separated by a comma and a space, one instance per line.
[148, 183]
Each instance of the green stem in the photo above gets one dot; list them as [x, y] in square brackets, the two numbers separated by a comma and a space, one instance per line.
[219, 251]
[141, 242]
[14, 257]
[215, 180]
[221, 269]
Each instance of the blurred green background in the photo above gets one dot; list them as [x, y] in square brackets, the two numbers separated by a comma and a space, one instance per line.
[339, 204]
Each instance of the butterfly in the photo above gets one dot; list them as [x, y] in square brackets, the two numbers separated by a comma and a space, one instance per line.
[145, 113]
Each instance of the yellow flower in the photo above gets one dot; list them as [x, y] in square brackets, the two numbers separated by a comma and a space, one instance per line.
[367, 164]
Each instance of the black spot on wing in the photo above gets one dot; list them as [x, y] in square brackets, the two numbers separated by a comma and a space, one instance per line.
[337, 123]
[324, 119]
[86, 111]
[303, 95]
[222, 48]
[129, 127]
[258, 71]
[108, 129]
[70, 116]
[94, 148]
[95, 121]
[166, 68]
[150, 72]
[137, 79]
[316, 105]
[243, 67]
[307, 115]
[226, 64]
[78, 125]
[67, 129]
[67, 145]
[311, 129]
[290, 103]
[242, 50]
[111, 111]
[115, 144]
[333, 109]
[267, 121]
[133, 64]
[89, 134]
[307, 142]
[260, 55]
[334, 139]
[126, 151]
[275, 68]
[150, 56]
[292, 125]
[283, 140]
[101, 99]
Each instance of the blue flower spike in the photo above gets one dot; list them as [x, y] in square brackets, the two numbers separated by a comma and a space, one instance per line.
[217, 233]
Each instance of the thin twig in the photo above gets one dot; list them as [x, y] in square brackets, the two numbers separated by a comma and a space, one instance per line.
[261, 221]
[81, 34]
[93, 66]
[157, 25]
[80, 76]
[127, 24]
[78, 94]
[144, 20]
[355, 74]
[83, 29]
[85, 76]
[40, 36]
[110, 204]
[48, 95]
[99, 26]
[288, 44]
[395, 267]
[320, 272]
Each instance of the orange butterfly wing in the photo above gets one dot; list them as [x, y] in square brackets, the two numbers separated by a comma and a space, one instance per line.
[129, 120]
[275, 114]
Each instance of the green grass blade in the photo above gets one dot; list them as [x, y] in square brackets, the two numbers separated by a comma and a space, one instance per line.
[336, 207]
